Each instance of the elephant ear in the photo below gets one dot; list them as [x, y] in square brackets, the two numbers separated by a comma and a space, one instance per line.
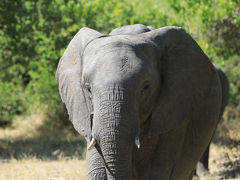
[185, 77]
[68, 75]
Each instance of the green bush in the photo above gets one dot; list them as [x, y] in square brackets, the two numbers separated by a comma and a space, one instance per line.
[12, 102]
[34, 34]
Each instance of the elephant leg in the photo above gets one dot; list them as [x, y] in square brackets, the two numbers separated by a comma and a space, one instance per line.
[191, 175]
[198, 135]
[202, 165]
[95, 166]
[166, 153]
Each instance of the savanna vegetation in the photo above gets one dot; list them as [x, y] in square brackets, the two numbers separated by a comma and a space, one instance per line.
[34, 35]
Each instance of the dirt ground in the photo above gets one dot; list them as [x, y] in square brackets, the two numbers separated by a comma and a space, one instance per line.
[33, 169]
[32, 149]
[224, 164]
[225, 161]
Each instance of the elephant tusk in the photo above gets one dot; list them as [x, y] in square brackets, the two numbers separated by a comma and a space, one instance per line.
[92, 144]
[137, 142]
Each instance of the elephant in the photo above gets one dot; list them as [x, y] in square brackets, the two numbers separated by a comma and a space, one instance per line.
[146, 100]
[202, 165]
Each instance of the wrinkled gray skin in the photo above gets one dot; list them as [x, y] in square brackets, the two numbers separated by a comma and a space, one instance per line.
[202, 165]
[139, 81]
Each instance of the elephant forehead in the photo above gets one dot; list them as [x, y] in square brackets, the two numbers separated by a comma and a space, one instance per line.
[120, 58]
[114, 68]
[122, 62]
[118, 42]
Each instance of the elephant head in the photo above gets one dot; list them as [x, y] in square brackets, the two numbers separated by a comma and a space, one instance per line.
[112, 84]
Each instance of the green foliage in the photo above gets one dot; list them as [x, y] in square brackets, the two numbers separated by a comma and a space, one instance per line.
[12, 102]
[34, 34]
[215, 25]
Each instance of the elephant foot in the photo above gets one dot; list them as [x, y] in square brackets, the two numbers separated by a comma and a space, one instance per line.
[201, 170]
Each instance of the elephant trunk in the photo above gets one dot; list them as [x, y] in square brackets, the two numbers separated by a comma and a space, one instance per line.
[117, 155]
[118, 128]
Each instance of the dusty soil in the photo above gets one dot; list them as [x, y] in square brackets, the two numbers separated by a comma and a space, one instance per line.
[31, 151]
[225, 160]
[35, 169]
[224, 164]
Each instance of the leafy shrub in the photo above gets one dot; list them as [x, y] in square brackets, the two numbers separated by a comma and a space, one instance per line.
[12, 102]
[34, 34]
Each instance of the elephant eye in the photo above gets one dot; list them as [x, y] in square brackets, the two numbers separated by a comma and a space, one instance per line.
[146, 87]
[88, 87]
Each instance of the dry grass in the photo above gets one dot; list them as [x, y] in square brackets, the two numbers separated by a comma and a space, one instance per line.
[224, 162]
[34, 169]
[26, 127]
[36, 136]
[229, 126]
[35, 147]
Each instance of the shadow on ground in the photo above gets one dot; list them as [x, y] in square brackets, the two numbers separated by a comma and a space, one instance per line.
[231, 170]
[227, 142]
[52, 138]
[42, 148]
